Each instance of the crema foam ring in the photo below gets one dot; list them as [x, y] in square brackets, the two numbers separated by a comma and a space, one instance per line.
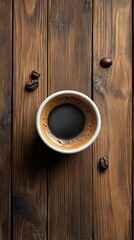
[83, 137]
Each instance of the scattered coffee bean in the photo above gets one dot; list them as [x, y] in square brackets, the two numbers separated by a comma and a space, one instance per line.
[103, 163]
[31, 85]
[106, 62]
[35, 74]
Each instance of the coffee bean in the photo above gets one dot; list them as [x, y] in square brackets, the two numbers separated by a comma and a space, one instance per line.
[35, 74]
[32, 85]
[103, 163]
[106, 62]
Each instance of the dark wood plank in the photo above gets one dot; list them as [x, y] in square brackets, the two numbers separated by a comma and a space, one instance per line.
[29, 155]
[113, 94]
[133, 117]
[69, 67]
[5, 117]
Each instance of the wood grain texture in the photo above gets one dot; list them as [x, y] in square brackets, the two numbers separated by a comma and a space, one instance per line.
[113, 95]
[69, 67]
[133, 118]
[5, 116]
[29, 153]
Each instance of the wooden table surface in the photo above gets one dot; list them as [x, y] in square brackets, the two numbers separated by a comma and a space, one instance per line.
[46, 195]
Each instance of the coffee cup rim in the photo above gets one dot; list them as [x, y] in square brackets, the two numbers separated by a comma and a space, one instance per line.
[75, 93]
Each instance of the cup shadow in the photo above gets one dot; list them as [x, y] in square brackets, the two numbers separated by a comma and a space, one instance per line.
[38, 159]
[55, 159]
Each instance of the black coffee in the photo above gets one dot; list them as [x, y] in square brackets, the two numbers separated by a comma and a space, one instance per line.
[66, 121]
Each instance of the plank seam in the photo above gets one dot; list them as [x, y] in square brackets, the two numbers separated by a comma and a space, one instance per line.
[92, 96]
[11, 197]
[47, 164]
[132, 121]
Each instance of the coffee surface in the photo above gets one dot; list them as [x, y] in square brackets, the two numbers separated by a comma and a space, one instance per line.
[66, 121]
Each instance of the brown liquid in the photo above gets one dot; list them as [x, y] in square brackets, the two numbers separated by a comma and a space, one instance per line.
[89, 118]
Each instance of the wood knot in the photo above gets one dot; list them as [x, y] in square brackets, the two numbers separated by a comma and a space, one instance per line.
[30, 6]
[86, 6]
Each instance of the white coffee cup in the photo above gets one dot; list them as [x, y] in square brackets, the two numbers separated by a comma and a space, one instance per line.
[89, 132]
